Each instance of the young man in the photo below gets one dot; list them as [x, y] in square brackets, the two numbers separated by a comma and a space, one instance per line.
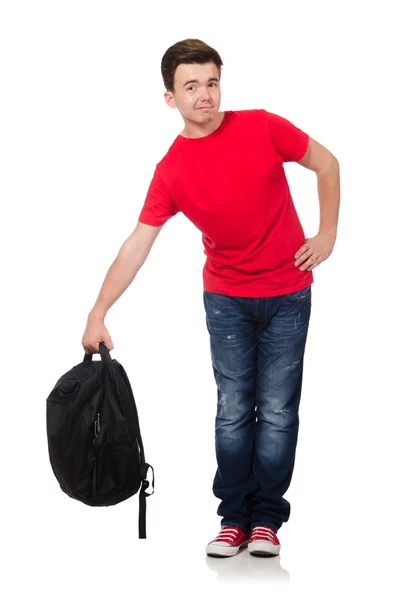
[224, 171]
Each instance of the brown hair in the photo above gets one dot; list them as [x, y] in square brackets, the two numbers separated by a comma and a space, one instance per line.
[186, 52]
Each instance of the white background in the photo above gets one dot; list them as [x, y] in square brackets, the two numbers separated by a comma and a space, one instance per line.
[83, 123]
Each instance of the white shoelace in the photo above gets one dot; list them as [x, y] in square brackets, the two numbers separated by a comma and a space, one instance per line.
[228, 534]
[263, 533]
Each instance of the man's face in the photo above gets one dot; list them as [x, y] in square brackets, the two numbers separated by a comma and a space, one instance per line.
[190, 95]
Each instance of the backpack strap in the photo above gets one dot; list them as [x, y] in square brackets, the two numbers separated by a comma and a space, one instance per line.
[108, 372]
[142, 500]
[144, 465]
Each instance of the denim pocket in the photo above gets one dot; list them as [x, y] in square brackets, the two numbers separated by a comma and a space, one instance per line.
[301, 294]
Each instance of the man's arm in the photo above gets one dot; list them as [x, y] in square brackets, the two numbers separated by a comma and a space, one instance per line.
[122, 272]
[144, 236]
[319, 159]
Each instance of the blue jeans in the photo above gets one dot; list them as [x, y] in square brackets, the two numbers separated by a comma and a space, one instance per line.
[257, 349]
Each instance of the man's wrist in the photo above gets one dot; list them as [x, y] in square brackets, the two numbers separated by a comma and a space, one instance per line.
[96, 314]
[328, 232]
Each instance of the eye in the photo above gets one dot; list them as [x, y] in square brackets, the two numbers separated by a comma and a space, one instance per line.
[192, 86]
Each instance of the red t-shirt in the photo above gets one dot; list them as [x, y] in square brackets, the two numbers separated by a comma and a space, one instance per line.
[232, 186]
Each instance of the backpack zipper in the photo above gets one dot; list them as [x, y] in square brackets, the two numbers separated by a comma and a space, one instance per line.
[97, 425]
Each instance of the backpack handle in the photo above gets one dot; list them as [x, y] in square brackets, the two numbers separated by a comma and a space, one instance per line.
[104, 352]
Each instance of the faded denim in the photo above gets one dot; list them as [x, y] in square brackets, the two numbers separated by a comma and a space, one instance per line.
[257, 352]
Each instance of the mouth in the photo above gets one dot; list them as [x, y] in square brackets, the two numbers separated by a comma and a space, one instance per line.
[205, 108]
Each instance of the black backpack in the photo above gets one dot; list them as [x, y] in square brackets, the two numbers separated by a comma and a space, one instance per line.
[94, 440]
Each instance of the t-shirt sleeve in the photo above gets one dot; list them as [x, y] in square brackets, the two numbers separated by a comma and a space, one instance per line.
[158, 206]
[290, 141]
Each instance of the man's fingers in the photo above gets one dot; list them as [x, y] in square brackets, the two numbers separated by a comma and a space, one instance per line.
[301, 251]
[303, 257]
[310, 264]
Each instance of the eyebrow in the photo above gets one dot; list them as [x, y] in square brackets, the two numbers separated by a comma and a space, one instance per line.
[197, 81]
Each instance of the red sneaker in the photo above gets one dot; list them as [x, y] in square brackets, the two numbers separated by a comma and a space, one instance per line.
[263, 541]
[227, 542]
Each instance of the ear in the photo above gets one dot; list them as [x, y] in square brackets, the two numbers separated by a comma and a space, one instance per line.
[169, 99]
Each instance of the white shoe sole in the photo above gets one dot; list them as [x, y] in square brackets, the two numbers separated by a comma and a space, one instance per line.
[262, 548]
[223, 549]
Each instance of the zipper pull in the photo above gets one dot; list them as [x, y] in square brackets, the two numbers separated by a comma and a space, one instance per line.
[97, 425]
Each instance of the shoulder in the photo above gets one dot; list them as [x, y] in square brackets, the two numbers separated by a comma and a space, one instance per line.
[169, 158]
[251, 117]
[249, 113]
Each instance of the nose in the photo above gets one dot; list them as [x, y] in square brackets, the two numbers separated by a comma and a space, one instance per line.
[205, 97]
